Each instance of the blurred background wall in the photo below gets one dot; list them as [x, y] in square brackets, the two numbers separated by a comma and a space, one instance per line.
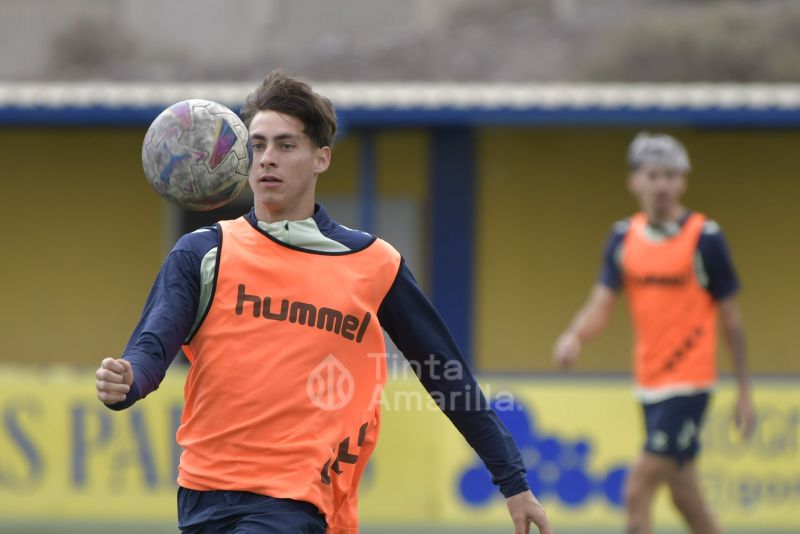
[547, 199]
[90, 234]
[462, 40]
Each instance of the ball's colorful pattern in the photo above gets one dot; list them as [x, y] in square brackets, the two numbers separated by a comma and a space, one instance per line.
[196, 154]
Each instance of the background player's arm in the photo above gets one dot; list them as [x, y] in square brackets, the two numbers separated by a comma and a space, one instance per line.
[589, 322]
[420, 333]
[594, 315]
[723, 285]
[733, 329]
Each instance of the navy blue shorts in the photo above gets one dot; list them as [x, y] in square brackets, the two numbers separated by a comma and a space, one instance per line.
[673, 426]
[240, 512]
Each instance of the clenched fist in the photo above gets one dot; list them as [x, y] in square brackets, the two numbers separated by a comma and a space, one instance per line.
[114, 379]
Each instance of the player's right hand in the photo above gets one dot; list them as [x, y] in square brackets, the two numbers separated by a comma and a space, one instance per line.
[567, 350]
[525, 509]
[113, 380]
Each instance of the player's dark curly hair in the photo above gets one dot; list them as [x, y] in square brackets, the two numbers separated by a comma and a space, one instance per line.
[290, 96]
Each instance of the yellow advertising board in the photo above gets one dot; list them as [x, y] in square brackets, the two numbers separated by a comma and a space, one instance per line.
[578, 438]
[65, 456]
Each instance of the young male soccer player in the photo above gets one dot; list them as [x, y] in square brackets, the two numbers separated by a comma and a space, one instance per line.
[675, 267]
[260, 305]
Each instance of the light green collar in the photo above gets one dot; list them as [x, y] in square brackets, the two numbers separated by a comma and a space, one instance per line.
[302, 234]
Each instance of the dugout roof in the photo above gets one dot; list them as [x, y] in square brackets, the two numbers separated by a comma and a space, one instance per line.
[427, 104]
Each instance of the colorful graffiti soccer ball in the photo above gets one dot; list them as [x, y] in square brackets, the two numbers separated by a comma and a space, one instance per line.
[196, 154]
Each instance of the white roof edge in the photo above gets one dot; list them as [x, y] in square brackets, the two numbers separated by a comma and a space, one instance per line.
[418, 95]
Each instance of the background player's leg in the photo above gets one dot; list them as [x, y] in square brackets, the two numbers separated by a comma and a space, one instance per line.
[647, 474]
[684, 485]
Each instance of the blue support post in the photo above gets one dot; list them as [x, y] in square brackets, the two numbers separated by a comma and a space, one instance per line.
[453, 178]
[367, 181]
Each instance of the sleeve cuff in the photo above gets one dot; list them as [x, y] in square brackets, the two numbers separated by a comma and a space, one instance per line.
[130, 399]
[514, 487]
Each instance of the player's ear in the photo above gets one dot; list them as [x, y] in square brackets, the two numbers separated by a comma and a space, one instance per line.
[632, 185]
[684, 181]
[322, 159]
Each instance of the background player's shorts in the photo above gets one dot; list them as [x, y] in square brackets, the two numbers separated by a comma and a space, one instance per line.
[673, 426]
[240, 512]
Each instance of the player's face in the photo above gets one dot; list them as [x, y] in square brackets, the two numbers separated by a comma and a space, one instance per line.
[285, 167]
[658, 188]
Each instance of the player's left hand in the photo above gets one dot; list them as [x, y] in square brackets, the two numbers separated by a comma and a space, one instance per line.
[745, 415]
[526, 509]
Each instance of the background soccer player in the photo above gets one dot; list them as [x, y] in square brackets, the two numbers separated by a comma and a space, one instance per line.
[675, 267]
[259, 304]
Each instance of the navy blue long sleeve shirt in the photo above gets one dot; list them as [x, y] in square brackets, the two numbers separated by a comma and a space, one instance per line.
[406, 314]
